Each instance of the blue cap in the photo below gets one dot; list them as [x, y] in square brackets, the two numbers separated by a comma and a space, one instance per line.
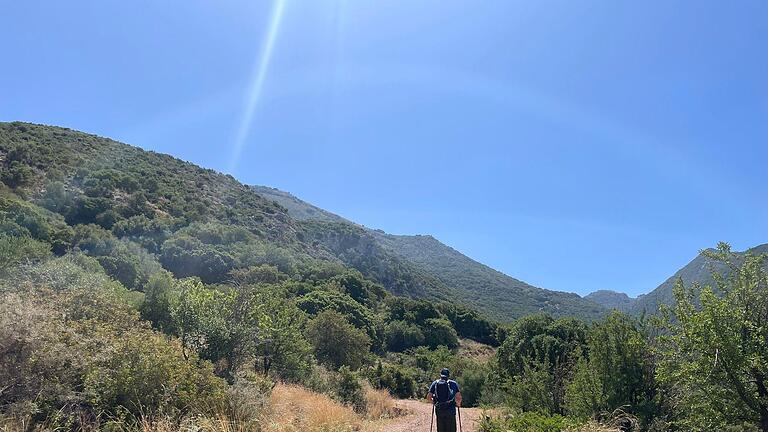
[445, 373]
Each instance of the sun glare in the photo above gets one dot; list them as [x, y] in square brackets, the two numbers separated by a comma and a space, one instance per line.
[260, 70]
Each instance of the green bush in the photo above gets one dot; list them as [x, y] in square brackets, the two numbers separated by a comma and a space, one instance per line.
[77, 354]
[400, 336]
[145, 374]
[349, 390]
[336, 342]
[397, 379]
[440, 332]
[528, 422]
[16, 250]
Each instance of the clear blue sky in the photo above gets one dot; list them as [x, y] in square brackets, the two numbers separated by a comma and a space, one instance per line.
[576, 145]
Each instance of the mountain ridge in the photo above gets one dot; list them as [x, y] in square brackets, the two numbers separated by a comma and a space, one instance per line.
[199, 222]
[490, 290]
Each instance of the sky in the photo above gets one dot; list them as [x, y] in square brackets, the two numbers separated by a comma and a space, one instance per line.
[575, 145]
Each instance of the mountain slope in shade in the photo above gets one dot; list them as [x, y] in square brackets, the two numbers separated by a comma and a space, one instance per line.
[612, 300]
[496, 294]
[699, 270]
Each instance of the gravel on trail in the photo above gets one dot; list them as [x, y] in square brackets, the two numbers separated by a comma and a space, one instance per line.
[418, 418]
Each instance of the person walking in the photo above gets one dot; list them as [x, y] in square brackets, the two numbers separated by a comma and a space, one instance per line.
[445, 396]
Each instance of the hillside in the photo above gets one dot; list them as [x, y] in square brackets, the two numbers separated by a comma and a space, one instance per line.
[491, 291]
[162, 204]
[89, 178]
[699, 270]
[125, 273]
[83, 178]
[612, 299]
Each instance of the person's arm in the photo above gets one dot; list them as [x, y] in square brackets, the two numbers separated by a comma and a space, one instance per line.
[457, 397]
[431, 394]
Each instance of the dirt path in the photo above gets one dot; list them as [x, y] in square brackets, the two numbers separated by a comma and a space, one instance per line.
[419, 417]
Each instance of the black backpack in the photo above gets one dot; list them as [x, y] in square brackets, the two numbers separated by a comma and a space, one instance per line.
[445, 397]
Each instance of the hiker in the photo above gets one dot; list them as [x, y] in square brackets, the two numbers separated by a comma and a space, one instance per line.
[445, 396]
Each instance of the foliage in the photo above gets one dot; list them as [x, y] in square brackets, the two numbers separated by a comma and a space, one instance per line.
[156, 307]
[73, 352]
[282, 350]
[222, 325]
[336, 342]
[349, 389]
[440, 332]
[529, 422]
[539, 345]
[144, 372]
[715, 357]
[26, 219]
[400, 336]
[15, 250]
[617, 373]
[358, 315]
[396, 379]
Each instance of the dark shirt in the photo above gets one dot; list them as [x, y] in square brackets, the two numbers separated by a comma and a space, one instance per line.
[453, 385]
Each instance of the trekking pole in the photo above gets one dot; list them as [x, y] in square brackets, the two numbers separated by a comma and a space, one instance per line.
[431, 417]
[458, 408]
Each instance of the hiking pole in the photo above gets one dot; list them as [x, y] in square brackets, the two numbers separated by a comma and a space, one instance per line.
[431, 417]
[458, 408]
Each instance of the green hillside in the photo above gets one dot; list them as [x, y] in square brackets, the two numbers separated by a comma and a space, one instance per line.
[471, 282]
[140, 292]
[198, 222]
[698, 271]
[135, 285]
[612, 299]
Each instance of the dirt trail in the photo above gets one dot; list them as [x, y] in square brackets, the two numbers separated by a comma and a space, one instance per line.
[419, 417]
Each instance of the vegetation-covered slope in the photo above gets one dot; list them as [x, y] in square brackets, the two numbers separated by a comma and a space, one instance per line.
[698, 271]
[88, 178]
[468, 281]
[612, 299]
[136, 286]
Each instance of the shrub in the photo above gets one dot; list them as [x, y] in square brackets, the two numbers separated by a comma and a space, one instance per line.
[349, 390]
[15, 250]
[145, 373]
[400, 336]
[337, 342]
[529, 422]
[440, 332]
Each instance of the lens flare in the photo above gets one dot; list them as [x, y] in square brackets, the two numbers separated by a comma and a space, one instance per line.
[257, 83]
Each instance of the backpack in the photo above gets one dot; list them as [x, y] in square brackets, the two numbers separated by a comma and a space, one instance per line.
[445, 396]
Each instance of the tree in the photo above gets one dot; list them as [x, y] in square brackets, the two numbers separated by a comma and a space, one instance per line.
[358, 315]
[438, 331]
[538, 344]
[222, 325]
[533, 390]
[715, 357]
[18, 174]
[615, 372]
[156, 307]
[282, 349]
[337, 342]
[399, 336]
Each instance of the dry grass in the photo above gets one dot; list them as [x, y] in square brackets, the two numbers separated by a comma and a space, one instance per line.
[288, 408]
[379, 404]
[475, 350]
[293, 409]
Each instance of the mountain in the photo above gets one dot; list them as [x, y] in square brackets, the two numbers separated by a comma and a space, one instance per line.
[494, 293]
[612, 300]
[73, 189]
[699, 270]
